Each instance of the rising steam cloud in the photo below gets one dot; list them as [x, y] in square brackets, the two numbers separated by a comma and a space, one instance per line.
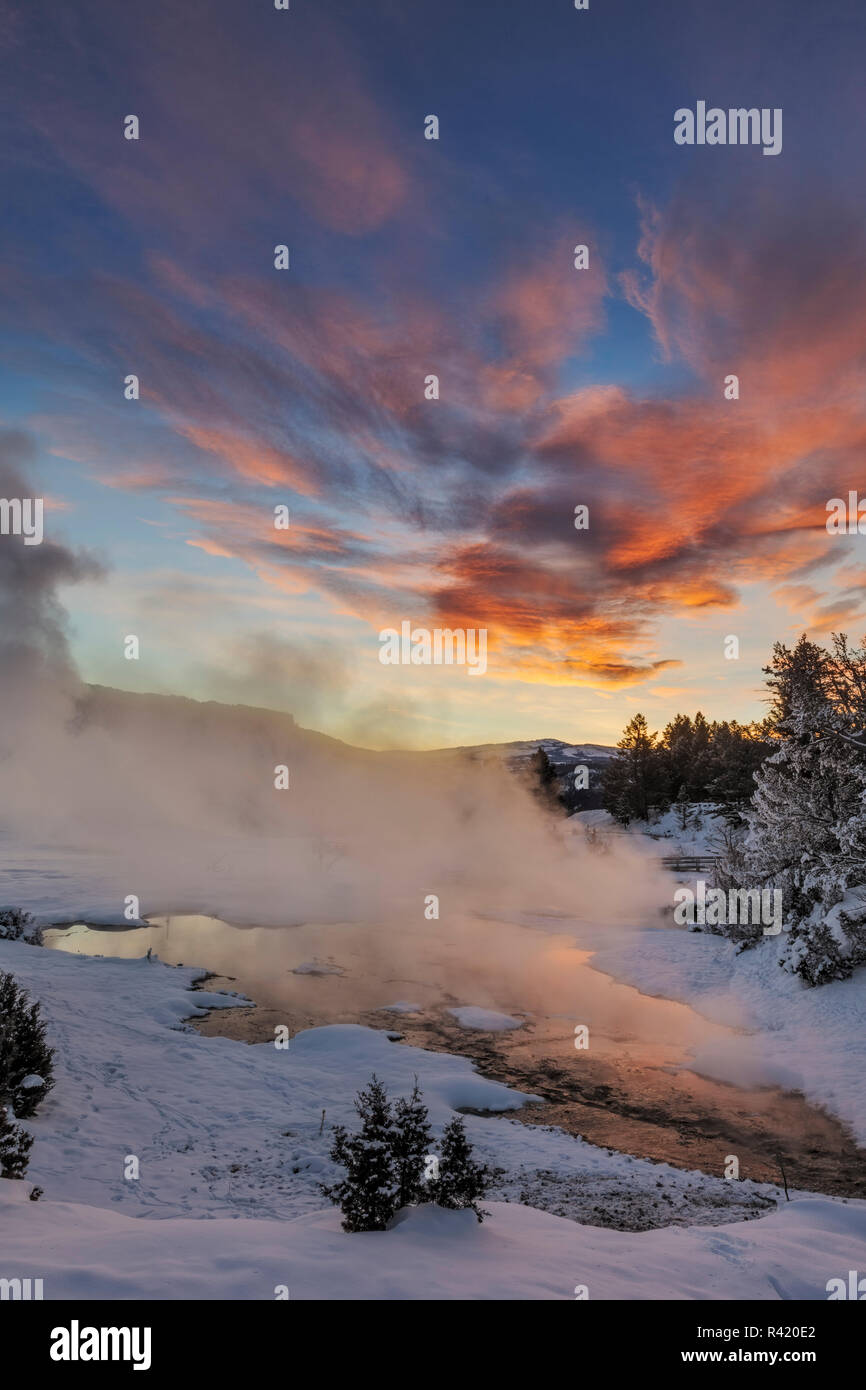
[174, 800]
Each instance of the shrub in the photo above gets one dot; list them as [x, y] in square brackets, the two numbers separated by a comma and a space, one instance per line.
[16, 924]
[15, 1146]
[367, 1195]
[461, 1182]
[26, 1060]
[385, 1163]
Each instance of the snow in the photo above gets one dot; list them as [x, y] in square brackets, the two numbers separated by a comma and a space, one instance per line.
[807, 1039]
[486, 1020]
[517, 1253]
[401, 1007]
[205, 1116]
[222, 1128]
[664, 835]
[226, 1132]
[526, 748]
[231, 1133]
[852, 902]
[811, 1039]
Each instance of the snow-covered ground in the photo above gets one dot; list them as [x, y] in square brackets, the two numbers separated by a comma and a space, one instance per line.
[809, 1039]
[232, 1144]
[665, 834]
[517, 1253]
[225, 1132]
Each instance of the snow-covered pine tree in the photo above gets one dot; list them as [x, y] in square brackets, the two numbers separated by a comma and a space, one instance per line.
[24, 1053]
[411, 1147]
[367, 1195]
[806, 825]
[461, 1182]
[16, 924]
[827, 919]
[15, 1146]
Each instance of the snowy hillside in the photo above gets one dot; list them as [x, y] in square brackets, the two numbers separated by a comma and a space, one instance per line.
[665, 835]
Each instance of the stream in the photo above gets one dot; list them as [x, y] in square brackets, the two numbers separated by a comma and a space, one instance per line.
[636, 1088]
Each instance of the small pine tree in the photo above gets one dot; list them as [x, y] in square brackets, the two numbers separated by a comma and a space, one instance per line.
[24, 1053]
[410, 1148]
[683, 807]
[367, 1195]
[15, 1146]
[461, 1182]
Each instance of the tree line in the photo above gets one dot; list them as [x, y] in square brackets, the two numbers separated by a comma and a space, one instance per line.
[691, 760]
[793, 788]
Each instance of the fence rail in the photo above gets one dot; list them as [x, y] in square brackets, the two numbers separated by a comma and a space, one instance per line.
[691, 863]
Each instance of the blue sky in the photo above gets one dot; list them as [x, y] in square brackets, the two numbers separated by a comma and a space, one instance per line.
[454, 257]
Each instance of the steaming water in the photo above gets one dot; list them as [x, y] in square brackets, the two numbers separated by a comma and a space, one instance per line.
[635, 1089]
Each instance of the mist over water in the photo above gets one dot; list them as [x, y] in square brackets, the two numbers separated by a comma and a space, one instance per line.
[174, 800]
[178, 802]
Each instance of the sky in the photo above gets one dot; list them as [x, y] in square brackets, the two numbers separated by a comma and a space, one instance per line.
[559, 387]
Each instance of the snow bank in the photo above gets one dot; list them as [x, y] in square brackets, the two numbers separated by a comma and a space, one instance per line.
[809, 1039]
[805, 1039]
[517, 1253]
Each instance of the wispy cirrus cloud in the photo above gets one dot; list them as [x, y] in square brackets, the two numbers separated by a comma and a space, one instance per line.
[308, 388]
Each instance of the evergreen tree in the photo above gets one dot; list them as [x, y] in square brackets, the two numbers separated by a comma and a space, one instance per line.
[24, 1053]
[15, 924]
[368, 1194]
[676, 741]
[544, 781]
[736, 753]
[410, 1148]
[634, 780]
[461, 1182]
[806, 825]
[796, 672]
[15, 1146]
[700, 756]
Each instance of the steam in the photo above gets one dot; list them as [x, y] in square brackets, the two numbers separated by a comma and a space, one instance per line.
[174, 801]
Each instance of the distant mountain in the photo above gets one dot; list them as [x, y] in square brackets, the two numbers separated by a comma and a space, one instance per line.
[563, 757]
